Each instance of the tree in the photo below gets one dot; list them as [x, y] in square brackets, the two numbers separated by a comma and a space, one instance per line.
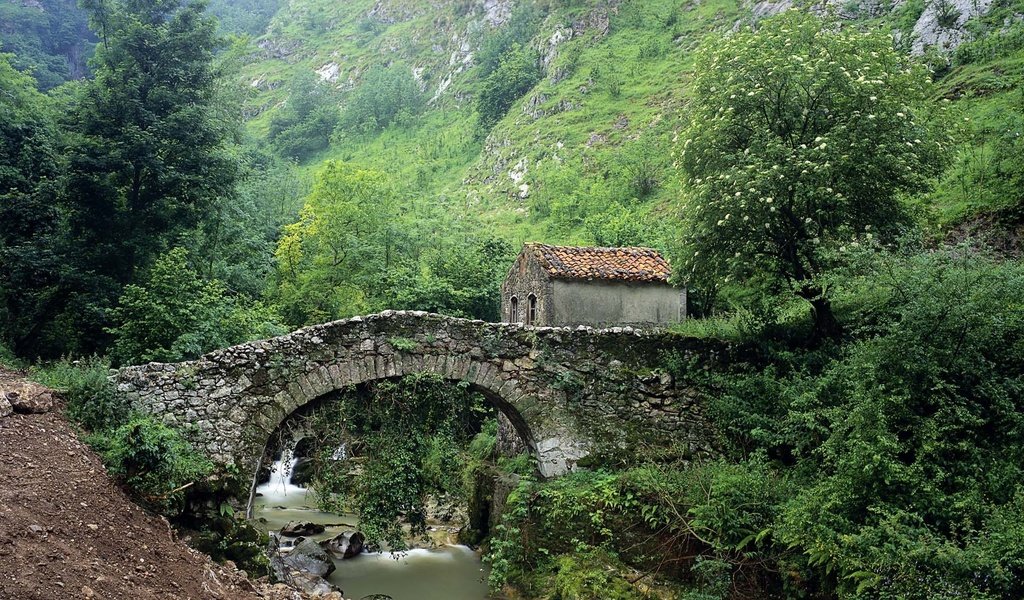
[304, 125]
[331, 262]
[516, 75]
[147, 153]
[29, 168]
[458, 276]
[803, 134]
[176, 315]
[387, 95]
[49, 39]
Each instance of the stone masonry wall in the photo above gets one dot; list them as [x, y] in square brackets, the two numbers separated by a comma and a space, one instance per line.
[563, 389]
[527, 277]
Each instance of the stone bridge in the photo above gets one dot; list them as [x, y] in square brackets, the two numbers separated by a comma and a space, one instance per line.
[565, 390]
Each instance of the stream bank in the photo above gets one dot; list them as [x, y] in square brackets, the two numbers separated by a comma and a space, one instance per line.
[443, 571]
[67, 530]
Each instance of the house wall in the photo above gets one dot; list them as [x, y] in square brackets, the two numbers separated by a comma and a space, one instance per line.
[607, 303]
[524, 278]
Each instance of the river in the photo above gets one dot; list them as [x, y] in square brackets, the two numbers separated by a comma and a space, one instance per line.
[447, 573]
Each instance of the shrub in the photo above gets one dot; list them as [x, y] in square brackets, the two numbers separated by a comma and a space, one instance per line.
[8, 358]
[592, 573]
[155, 461]
[516, 75]
[175, 315]
[230, 538]
[304, 125]
[85, 384]
[386, 96]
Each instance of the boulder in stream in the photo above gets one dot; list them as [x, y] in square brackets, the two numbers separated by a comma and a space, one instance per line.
[282, 570]
[312, 584]
[346, 544]
[308, 556]
[297, 529]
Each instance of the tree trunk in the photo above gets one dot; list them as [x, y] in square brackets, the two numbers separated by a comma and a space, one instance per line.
[825, 324]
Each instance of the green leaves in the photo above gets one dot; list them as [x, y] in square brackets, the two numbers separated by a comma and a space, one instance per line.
[146, 155]
[340, 247]
[411, 437]
[516, 74]
[174, 314]
[386, 96]
[304, 125]
[903, 447]
[154, 460]
[802, 136]
[362, 244]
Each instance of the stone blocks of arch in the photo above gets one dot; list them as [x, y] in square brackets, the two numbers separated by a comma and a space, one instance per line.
[562, 388]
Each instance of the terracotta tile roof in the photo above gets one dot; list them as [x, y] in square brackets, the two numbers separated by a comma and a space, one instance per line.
[621, 264]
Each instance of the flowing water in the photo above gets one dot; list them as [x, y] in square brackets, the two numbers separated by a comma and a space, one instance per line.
[448, 573]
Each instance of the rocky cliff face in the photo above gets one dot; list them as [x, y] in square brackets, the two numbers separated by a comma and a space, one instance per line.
[943, 24]
[50, 38]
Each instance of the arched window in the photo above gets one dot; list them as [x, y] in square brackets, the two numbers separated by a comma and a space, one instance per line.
[531, 310]
[513, 310]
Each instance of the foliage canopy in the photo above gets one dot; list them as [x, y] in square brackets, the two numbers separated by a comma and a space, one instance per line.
[803, 134]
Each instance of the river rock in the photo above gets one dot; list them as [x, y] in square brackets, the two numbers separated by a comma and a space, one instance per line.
[314, 585]
[28, 398]
[345, 545]
[279, 571]
[304, 448]
[302, 472]
[283, 572]
[308, 556]
[297, 529]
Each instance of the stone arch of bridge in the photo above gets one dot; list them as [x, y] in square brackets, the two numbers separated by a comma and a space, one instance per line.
[507, 395]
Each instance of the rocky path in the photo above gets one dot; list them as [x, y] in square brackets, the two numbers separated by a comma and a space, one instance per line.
[68, 531]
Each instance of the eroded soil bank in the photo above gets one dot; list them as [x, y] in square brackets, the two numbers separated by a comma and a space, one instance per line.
[68, 531]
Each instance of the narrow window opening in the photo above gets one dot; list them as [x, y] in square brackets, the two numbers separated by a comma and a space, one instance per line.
[531, 311]
[513, 311]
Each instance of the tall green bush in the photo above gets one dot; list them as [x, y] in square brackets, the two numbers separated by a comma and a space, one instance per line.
[516, 74]
[153, 460]
[386, 96]
[175, 315]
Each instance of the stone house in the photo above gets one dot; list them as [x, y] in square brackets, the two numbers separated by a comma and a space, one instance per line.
[568, 285]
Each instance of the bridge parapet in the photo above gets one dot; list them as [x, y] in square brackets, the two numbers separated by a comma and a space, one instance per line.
[563, 389]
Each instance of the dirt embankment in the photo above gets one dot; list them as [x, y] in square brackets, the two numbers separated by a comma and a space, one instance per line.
[68, 531]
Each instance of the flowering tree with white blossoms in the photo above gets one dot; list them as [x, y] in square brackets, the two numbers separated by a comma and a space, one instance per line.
[802, 137]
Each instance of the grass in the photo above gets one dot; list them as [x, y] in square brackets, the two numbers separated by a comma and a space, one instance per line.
[988, 103]
[64, 374]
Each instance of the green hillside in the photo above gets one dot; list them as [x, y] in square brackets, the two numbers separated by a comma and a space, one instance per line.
[586, 155]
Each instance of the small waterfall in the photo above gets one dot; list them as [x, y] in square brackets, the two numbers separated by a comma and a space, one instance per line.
[280, 485]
